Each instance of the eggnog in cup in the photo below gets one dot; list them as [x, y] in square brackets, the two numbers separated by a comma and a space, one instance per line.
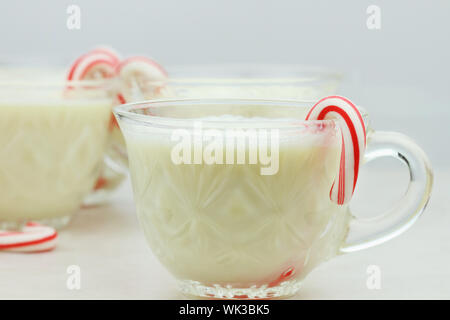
[53, 137]
[234, 195]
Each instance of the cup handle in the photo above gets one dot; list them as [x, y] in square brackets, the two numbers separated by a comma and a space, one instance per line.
[366, 233]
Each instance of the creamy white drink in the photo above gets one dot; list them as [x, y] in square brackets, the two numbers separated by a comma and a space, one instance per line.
[228, 225]
[51, 147]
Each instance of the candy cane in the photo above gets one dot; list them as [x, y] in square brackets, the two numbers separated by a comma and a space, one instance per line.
[136, 70]
[353, 137]
[32, 238]
[92, 65]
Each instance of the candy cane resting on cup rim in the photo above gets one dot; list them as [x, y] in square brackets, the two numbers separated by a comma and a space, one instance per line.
[32, 238]
[353, 137]
[138, 70]
[98, 63]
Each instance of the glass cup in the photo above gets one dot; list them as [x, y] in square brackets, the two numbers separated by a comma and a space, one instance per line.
[233, 196]
[251, 81]
[54, 135]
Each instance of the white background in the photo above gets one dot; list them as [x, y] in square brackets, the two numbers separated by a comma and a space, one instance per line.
[400, 73]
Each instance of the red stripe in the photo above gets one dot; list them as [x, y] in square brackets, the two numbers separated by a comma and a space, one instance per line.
[356, 111]
[353, 134]
[342, 173]
[29, 243]
[77, 62]
[351, 105]
[74, 66]
[33, 224]
[112, 123]
[101, 182]
[121, 98]
[331, 190]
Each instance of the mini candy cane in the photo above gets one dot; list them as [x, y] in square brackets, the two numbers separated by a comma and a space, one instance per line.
[98, 63]
[32, 238]
[136, 73]
[353, 134]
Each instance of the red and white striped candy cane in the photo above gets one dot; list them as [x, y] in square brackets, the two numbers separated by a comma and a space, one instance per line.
[32, 238]
[98, 63]
[353, 138]
[139, 71]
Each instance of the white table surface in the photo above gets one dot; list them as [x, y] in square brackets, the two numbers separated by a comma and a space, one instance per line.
[116, 263]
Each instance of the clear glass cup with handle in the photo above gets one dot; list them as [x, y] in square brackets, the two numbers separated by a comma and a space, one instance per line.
[233, 217]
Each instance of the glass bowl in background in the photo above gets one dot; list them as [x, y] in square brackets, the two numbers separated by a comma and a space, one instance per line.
[53, 139]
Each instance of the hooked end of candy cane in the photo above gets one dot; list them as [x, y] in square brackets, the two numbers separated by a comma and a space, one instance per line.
[353, 142]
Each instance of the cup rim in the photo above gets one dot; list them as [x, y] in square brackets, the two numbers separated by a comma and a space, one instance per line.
[124, 112]
[101, 83]
[247, 74]
[46, 77]
[193, 74]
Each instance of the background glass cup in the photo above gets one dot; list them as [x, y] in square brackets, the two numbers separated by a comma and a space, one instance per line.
[53, 139]
[247, 81]
[225, 230]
